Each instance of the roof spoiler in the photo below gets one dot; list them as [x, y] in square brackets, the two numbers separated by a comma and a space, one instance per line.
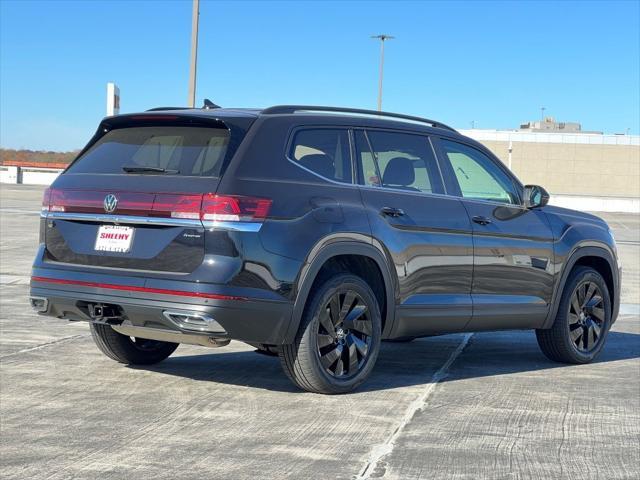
[207, 105]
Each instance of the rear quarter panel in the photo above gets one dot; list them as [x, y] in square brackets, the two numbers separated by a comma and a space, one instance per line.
[306, 208]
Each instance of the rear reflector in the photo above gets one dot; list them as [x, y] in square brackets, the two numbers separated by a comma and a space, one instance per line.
[131, 288]
[208, 206]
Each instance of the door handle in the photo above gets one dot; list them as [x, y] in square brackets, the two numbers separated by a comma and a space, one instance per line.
[479, 219]
[392, 211]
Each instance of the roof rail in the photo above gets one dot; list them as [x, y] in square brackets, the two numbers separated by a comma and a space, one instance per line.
[311, 108]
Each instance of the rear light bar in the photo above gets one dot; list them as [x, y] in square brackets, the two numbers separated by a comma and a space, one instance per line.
[234, 208]
[205, 207]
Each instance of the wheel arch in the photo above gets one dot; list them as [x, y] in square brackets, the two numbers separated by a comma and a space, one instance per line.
[326, 254]
[600, 259]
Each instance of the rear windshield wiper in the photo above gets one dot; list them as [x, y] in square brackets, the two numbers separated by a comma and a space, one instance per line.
[141, 169]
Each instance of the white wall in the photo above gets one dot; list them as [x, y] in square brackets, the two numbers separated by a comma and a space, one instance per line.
[28, 175]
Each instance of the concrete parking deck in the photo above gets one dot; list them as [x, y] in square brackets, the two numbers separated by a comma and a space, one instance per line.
[485, 405]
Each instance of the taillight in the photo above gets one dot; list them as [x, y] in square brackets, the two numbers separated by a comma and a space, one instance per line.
[177, 206]
[88, 201]
[234, 208]
[207, 207]
[56, 200]
[45, 199]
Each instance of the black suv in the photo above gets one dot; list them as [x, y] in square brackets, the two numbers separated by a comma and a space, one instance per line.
[313, 233]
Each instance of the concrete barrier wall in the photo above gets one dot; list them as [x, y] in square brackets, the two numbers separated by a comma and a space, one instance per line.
[569, 164]
[28, 175]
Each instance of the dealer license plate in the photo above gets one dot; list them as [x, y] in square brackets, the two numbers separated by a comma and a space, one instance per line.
[114, 238]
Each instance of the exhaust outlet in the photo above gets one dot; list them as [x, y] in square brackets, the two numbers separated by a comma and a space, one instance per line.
[39, 304]
[193, 321]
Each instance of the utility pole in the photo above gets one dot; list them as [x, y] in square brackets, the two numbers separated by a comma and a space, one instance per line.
[194, 53]
[382, 39]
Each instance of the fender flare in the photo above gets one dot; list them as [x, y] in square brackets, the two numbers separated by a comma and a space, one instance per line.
[578, 253]
[312, 267]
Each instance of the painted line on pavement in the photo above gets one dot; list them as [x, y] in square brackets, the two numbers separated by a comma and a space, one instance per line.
[384, 449]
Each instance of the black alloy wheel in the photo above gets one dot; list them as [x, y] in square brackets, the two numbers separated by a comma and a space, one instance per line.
[586, 316]
[582, 321]
[338, 338]
[344, 334]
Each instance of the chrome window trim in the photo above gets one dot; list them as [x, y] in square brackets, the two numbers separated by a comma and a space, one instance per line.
[408, 192]
[355, 184]
[492, 202]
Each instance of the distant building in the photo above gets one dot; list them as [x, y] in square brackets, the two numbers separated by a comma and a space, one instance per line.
[549, 124]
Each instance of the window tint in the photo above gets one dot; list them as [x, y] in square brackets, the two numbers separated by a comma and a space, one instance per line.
[478, 176]
[187, 150]
[399, 160]
[324, 151]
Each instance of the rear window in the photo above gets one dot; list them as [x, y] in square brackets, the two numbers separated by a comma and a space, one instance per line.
[324, 151]
[191, 151]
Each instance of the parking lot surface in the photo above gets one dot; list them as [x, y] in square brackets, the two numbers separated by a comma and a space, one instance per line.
[484, 405]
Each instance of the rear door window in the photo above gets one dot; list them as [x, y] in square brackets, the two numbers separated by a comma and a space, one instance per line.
[401, 161]
[180, 150]
[324, 151]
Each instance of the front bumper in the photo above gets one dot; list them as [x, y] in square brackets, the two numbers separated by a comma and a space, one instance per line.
[234, 317]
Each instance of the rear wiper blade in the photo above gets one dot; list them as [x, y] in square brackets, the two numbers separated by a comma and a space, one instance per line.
[142, 169]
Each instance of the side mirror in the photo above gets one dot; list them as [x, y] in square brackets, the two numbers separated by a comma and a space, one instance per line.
[535, 196]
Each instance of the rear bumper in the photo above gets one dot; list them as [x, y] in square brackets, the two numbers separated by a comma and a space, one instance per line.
[236, 316]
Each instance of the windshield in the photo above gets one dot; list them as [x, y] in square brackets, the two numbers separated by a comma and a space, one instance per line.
[172, 150]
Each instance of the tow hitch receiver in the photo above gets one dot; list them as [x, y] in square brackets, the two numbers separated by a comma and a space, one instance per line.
[105, 313]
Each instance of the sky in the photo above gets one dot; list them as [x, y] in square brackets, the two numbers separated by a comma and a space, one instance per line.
[491, 63]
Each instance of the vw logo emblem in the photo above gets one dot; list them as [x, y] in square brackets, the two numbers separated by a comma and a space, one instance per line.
[110, 203]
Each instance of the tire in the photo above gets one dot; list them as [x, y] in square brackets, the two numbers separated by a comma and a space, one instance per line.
[583, 320]
[124, 349]
[322, 361]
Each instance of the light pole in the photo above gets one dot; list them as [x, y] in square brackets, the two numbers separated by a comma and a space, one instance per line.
[382, 39]
[194, 53]
[542, 109]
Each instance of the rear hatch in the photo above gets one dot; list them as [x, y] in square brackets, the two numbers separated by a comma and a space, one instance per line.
[134, 197]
